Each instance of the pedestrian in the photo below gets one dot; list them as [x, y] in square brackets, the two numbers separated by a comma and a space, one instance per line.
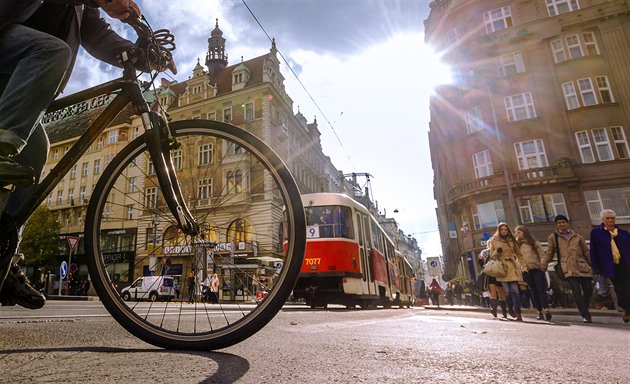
[486, 298]
[459, 292]
[494, 288]
[214, 289]
[504, 247]
[535, 278]
[610, 257]
[191, 281]
[436, 290]
[450, 294]
[574, 261]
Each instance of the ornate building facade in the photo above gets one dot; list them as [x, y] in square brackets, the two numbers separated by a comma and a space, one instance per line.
[537, 122]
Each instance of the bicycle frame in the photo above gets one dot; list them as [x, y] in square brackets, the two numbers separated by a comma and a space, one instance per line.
[159, 141]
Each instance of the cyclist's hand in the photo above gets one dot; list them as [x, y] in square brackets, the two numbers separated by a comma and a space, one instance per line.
[118, 9]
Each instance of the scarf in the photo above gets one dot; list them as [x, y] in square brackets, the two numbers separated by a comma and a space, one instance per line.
[616, 255]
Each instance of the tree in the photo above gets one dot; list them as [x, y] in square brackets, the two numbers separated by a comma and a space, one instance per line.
[40, 239]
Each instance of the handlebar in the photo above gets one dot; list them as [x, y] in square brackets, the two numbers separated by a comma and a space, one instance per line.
[156, 46]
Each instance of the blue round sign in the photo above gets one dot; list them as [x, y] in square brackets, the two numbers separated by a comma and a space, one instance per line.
[63, 269]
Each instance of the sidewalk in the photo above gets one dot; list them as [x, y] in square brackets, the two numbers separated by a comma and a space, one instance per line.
[527, 311]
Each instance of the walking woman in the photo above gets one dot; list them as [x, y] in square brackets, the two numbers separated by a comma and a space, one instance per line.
[535, 278]
[494, 288]
[610, 257]
[503, 246]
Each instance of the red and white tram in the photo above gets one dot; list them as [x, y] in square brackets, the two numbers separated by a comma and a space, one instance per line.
[349, 259]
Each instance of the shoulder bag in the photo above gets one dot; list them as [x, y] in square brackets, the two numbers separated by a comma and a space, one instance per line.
[494, 268]
[558, 267]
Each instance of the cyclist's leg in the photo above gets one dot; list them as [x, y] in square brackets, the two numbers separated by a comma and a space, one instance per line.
[34, 64]
[33, 155]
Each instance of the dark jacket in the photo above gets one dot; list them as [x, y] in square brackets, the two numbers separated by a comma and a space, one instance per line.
[601, 250]
[78, 25]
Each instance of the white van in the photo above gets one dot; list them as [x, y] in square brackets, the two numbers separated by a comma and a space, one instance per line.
[150, 288]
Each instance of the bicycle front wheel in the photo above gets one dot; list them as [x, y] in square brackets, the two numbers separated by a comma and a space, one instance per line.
[252, 237]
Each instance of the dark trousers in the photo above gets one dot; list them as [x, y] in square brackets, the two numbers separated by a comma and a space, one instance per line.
[537, 282]
[582, 288]
[621, 283]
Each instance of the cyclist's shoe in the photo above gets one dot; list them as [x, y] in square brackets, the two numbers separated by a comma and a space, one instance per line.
[14, 173]
[18, 290]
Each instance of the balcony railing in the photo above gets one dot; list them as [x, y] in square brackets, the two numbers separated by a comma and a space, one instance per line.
[516, 179]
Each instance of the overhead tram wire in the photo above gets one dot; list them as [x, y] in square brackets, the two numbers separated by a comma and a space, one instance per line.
[301, 84]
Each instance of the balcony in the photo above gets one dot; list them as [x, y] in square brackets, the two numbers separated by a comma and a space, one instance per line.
[531, 177]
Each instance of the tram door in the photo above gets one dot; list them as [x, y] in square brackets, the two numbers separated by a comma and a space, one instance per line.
[364, 249]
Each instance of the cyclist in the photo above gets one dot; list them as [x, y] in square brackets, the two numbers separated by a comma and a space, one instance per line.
[39, 41]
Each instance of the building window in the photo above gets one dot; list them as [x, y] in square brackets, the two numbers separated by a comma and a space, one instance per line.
[177, 157]
[83, 195]
[602, 144]
[59, 197]
[603, 89]
[227, 115]
[238, 78]
[150, 168]
[488, 215]
[73, 172]
[590, 43]
[483, 164]
[621, 144]
[112, 137]
[520, 107]
[132, 184]
[84, 169]
[97, 166]
[574, 47]
[249, 111]
[151, 197]
[587, 91]
[570, 96]
[584, 145]
[204, 189]
[238, 181]
[557, 7]
[541, 208]
[71, 196]
[452, 36]
[130, 210]
[474, 120]
[531, 154]
[212, 116]
[617, 199]
[136, 133]
[510, 64]
[498, 19]
[107, 212]
[206, 153]
[56, 154]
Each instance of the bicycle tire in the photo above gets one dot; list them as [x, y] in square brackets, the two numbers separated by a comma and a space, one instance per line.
[175, 324]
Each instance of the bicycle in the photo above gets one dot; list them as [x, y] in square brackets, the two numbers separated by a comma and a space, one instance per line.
[197, 215]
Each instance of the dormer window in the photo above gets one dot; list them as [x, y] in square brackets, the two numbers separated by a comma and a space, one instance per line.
[238, 78]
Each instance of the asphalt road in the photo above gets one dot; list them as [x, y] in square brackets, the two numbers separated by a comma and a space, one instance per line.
[77, 342]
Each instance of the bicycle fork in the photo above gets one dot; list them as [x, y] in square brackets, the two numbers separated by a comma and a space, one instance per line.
[160, 144]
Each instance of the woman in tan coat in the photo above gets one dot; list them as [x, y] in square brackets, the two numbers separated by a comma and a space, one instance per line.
[504, 248]
[535, 278]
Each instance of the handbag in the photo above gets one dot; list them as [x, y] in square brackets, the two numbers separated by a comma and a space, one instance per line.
[558, 267]
[494, 268]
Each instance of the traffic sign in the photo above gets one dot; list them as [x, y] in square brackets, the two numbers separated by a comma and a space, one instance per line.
[279, 265]
[63, 269]
[72, 242]
[73, 267]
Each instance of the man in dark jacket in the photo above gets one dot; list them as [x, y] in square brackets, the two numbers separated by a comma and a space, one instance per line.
[38, 46]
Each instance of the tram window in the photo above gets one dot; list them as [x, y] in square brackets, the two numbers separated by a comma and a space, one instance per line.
[329, 221]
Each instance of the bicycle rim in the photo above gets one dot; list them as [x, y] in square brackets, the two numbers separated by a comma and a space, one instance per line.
[253, 237]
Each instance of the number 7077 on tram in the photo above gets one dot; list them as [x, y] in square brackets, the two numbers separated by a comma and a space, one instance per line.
[349, 260]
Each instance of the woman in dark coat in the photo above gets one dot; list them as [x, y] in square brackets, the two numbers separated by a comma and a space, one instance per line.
[610, 257]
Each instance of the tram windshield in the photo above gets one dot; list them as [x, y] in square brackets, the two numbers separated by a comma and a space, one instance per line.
[329, 221]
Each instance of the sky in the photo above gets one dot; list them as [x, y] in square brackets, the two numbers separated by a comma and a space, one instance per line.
[365, 75]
